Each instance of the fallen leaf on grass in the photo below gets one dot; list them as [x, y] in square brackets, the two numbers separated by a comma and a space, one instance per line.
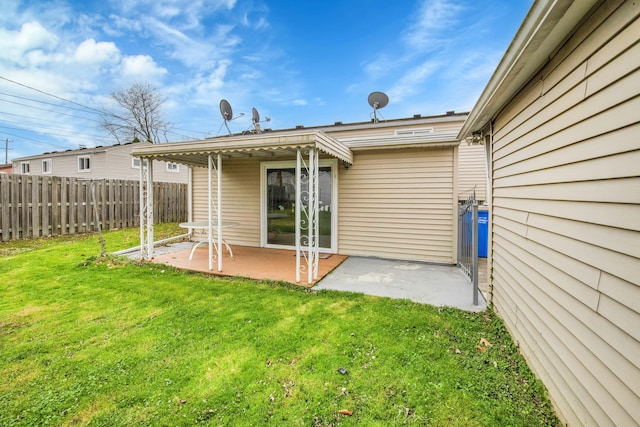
[486, 343]
[346, 412]
[481, 349]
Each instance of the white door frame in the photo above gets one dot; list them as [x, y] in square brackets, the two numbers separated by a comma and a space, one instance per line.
[333, 163]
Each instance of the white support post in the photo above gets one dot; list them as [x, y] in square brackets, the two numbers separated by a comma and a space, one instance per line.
[298, 209]
[210, 213]
[149, 207]
[310, 222]
[220, 240]
[143, 213]
[316, 216]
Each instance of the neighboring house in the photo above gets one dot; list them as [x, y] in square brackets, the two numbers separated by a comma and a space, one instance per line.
[561, 116]
[6, 168]
[388, 189]
[110, 162]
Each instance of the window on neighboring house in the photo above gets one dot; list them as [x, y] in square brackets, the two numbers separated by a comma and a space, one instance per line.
[173, 167]
[135, 163]
[46, 166]
[84, 164]
[24, 168]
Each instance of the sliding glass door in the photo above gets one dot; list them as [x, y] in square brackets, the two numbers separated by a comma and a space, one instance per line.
[279, 204]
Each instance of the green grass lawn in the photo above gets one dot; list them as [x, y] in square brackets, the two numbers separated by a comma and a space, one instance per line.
[90, 341]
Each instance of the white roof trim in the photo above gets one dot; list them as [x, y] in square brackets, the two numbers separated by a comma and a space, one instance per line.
[435, 139]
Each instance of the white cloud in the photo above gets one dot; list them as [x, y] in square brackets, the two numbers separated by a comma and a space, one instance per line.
[141, 68]
[31, 36]
[90, 52]
[300, 102]
[412, 81]
[433, 16]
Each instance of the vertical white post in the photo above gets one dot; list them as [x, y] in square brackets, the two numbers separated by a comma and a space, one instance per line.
[143, 213]
[210, 213]
[316, 216]
[310, 232]
[219, 170]
[298, 209]
[190, 195]
[149, 207]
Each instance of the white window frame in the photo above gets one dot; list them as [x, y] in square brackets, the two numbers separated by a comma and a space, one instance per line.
[25, 168]
[83, 169]
[171, 168]
[47, 170]
[137, 166]
[334, 201]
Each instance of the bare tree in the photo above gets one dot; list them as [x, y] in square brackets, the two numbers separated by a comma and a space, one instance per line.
[138, 116]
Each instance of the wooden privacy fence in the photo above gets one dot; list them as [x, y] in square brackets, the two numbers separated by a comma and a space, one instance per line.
[34, 206]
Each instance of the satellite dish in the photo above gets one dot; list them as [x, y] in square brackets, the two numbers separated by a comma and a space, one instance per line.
[225, 110]
[377, 100]
[255, 119]
[227, 113]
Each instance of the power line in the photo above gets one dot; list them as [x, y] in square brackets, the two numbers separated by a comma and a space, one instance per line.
[41, 119]
[45, 102]
[49, 94]
[49, 111]
[85, 108]
[34, 140]
[68, 133]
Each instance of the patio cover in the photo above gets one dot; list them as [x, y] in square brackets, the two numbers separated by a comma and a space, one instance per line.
[210, 153]
[267, 144]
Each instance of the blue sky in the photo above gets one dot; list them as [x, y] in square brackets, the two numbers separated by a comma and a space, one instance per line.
[297, 62]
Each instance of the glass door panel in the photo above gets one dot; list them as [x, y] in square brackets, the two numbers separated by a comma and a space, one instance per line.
[281, 206]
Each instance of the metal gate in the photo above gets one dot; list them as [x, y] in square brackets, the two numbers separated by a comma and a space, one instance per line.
[468, 241]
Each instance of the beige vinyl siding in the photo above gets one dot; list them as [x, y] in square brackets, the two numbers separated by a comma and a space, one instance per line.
[440, 124]
[472, 171]
[566, 229]
[398, 204]
[119, 164]
[110, 162]
[240, 199]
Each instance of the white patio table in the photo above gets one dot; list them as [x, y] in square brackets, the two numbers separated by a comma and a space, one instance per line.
[204, 225]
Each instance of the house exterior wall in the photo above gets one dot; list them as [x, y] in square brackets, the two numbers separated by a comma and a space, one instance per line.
[112, 162]
[391, 203]
[240, 199]
[398, 204]
[472, 163]
[472, 175]
[565, 219]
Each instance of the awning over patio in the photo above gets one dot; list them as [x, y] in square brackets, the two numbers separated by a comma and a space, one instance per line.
[267, 144]
[305, 147]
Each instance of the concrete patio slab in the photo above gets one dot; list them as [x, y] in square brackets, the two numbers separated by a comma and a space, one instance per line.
[438, 285]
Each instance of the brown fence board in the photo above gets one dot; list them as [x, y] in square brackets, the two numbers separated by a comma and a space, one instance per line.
[33, 206]
[5, 209]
